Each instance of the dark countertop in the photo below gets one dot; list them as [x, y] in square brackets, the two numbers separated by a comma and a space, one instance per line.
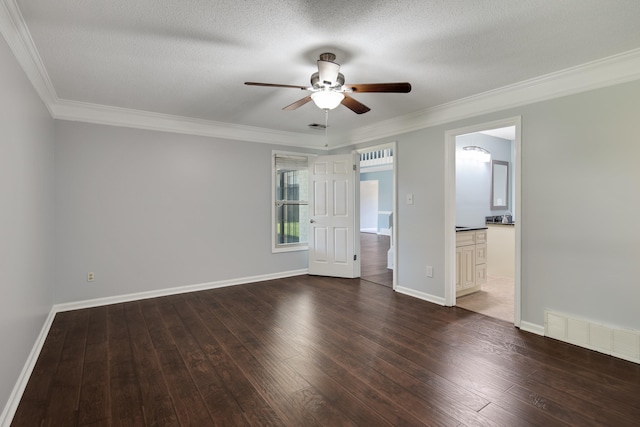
[501, 223]
[497, 219]
[479, 227]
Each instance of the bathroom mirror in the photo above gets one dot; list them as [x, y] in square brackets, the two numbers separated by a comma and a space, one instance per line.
[499, 184]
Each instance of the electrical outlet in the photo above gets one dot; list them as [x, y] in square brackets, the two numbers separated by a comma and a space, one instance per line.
[90, 276]
[410, 198]
[429, 271]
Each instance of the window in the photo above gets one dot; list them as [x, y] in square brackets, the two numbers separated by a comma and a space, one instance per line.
[291, 202]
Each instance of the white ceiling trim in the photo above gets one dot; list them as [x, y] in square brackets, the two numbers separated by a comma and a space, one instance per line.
[115, 116]
[608, 71]
[15, 32]
[604, 72]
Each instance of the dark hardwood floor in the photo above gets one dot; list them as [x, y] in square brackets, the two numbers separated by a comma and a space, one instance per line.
[315, 351]
[373, 262]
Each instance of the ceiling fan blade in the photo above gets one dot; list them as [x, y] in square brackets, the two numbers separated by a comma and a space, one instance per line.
[379, 87]
[276, 85]
[355, 106]
[298, 103]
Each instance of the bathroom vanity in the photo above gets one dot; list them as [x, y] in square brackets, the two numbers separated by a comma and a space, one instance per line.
[471, 259]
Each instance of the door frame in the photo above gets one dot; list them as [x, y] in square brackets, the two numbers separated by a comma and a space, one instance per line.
[393, 145]
[450, 209]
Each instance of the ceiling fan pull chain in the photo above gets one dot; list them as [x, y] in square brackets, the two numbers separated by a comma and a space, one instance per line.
[326, 127]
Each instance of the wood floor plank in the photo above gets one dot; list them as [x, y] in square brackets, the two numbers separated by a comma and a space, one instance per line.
[577, 387]
[156, 399]
[334, 353]
[315, 351]
[504, 417]
[585, 415]
[392, 401]
[124, 390]
[65, 392]
[254, 407]
[188, 403]
[221, 404]
[373, 261]
[601, 413]
[346, 402]
[418, 351]
[275, 390]
[37, 394]
[270, 354]
[500, 335]
[95, 405]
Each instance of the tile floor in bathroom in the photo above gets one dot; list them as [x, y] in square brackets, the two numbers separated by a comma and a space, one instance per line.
[494, 300]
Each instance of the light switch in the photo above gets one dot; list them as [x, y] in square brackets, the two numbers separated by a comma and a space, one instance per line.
[410, 198]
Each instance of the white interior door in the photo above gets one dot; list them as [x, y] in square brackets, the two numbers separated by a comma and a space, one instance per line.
[333, 248]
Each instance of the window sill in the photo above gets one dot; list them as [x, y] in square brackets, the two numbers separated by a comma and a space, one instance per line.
[289, 249]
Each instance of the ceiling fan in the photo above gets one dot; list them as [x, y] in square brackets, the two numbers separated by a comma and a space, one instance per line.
[328, 89]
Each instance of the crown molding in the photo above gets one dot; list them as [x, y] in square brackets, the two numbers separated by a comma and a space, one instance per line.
[115, 116]
[15, 32]
[604, 72]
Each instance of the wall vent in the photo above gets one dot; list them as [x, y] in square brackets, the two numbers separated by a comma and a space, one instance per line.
[622, 343]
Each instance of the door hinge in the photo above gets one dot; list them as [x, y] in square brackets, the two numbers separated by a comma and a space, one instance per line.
[355, 257]
[355, 167]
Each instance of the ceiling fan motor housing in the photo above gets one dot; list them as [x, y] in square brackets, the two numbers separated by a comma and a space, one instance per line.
[328, 71]
[317, 84]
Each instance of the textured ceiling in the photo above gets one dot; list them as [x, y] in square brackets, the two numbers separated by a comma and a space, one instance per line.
[190, 58]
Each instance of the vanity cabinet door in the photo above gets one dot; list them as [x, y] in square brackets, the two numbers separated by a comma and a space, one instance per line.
[468, 273]
[481, 254]
[481, 274]
[471, 261]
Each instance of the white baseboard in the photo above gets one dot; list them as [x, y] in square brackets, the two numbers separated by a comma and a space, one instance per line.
[16, 394]
[385, 232]
[173, 291]
[611, 340]
[369, 230]
[532, 328]
[420, 295]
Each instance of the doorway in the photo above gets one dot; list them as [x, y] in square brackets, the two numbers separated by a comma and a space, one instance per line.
[469, 202]
[377, 205]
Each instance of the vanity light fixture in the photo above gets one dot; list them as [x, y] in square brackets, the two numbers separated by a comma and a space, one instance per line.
[477, 153]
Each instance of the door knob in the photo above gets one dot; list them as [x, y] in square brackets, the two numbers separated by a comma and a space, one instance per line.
[312, 221]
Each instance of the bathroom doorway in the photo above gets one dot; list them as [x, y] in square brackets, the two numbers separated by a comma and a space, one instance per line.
[482, 195]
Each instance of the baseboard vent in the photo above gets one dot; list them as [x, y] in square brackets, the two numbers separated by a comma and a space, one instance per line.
[622, 343]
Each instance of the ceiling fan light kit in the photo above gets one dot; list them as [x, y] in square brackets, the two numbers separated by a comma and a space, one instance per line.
[328, 88]
[326, 99]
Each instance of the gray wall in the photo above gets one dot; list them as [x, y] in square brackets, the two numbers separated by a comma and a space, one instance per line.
[26, 218]
[580, 200]
[149, 210]
[473, 179]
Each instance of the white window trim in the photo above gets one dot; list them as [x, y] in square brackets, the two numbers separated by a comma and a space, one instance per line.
[275, 248]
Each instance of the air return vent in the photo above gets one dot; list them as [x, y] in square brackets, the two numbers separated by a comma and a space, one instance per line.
[317, 126]
[622, 343]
